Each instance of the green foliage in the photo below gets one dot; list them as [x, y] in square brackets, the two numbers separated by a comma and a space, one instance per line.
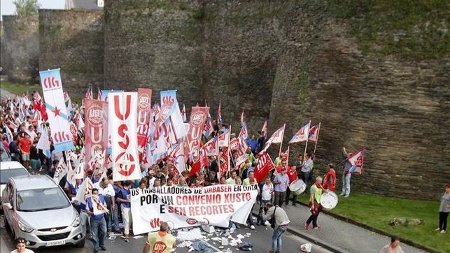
[26, 7]
[377, 211]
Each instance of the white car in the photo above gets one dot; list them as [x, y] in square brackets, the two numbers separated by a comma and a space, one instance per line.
[10, 169]
[37, 209]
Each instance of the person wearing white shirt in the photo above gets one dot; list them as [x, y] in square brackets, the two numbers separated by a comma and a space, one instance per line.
[107, 190]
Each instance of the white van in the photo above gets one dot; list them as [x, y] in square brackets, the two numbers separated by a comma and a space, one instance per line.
[37, 209]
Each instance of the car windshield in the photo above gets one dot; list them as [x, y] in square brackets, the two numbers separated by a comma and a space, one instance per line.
[8, 173]
[41, 199]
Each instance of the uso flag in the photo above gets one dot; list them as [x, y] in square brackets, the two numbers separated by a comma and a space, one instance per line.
[122, 115]
[56, 109]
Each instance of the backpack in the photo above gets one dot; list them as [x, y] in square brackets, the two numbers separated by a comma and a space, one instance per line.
[272, 220]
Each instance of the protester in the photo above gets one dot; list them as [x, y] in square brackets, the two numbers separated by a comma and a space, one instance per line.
[24, 146]
[281, 182]
[314, 203]
[444, 209]
[393, 247]
[125, 201]
[107, 191]
[329, 181]
[307, 167]
[281, 224]
[97, 219]
[347, 175]
[21, 246]
[251, 180]
[161, 241]
[266, 194]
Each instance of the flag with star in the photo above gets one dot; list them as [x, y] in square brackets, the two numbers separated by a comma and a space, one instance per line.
[56, 109]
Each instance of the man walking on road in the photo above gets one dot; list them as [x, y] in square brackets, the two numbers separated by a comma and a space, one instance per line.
[161, 241]
[281, 224]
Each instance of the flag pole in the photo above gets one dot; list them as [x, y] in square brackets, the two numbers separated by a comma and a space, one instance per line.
[317, 139]
[282, 137]
[306, 145]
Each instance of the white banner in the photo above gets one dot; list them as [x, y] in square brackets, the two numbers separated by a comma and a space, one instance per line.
[122, 115]
[56, 109]
[188, 207]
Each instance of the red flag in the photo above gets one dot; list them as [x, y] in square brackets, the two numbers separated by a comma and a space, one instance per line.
[263, 167]
[356, 159]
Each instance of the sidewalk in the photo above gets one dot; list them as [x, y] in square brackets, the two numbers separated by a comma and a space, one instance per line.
[337, 235]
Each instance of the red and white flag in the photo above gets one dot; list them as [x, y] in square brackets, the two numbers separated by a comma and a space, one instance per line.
[277, 137]
[196, 126]
[263, 166]
[143, 117]
[88, 94]
[96, 130]
[211, 147]
[356, 159]
[122, 127]
[224, 138]
[183, 113]
[314, 133]
[219, 114]
[264, 128]
[301, 135]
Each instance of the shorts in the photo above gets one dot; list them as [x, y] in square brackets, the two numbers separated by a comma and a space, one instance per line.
[25, 156]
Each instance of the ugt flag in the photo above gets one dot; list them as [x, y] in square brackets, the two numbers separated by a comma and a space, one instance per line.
[301, 135]
[56, 109]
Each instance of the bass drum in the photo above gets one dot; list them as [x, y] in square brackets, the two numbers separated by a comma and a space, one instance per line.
[297, 187]
[329, 200]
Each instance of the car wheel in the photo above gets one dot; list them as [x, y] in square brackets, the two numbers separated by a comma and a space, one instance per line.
[81, 243]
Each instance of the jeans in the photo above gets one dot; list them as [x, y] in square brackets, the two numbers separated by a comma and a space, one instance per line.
[279, 198]
[346, 184]
[115, 218]
[98, 231]
[443, 220]
[276, 237]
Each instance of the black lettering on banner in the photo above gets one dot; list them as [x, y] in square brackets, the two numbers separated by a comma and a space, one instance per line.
[162, 208]
[197, 191]
[168, 200]
[149, 199]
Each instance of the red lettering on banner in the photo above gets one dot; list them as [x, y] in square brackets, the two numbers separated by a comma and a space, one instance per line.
[155, 223]
[181, 210]
[60, 136]
[50, 82]
[127, 168]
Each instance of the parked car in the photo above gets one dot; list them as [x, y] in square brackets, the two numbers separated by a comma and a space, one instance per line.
[37, 209]
[10, 169]
[5, 156]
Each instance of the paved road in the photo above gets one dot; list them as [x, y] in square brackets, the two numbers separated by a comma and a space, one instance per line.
[260, 238]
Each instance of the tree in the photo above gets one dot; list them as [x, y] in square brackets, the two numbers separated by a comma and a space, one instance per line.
[26, 7]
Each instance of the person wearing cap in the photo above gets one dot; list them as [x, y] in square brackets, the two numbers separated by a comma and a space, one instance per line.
[21, 246]
[161, 241]
[393, 247]
[281, 183]
[444, 209]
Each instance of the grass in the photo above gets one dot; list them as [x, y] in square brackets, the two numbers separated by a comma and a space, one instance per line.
[376, 212]
[20, 88]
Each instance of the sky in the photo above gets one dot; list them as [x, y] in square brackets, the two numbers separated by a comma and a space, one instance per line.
[7, 7]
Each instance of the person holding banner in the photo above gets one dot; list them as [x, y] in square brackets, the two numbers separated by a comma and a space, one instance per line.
[95, 208]
[124, 199]
[314, 202]
[161, 241]
[347, 174]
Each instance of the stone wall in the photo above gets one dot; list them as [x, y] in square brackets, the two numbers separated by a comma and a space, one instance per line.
[73, 41]
[284, 61]
[20, 48]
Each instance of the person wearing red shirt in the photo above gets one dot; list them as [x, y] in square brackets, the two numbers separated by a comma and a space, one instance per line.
[329, 181]
[292, 174]
[25, 146]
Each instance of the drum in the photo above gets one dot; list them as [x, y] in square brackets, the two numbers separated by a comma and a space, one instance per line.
[329, 200]
[297, 187]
